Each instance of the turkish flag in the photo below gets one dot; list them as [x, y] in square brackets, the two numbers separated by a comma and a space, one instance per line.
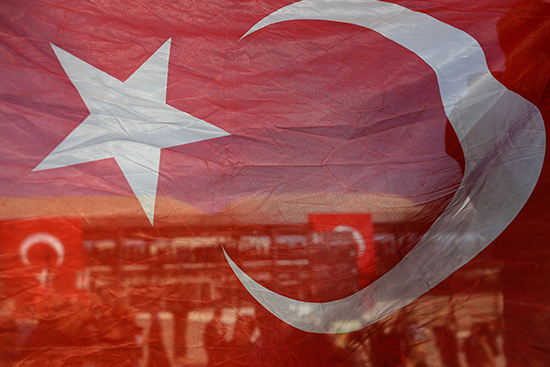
[42, 253]
[194, 140]
[362, 230]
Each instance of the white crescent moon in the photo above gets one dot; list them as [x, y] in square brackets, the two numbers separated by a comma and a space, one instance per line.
[503, 139]
[37, 238]
[357, 237]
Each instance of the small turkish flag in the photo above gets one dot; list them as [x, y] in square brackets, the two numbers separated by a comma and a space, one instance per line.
[41, 252]
[362, 230]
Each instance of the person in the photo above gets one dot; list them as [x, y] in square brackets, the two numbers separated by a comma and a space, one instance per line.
[416, 345]
[214, 339]
[8, 329]
[388, 344]
[447, 341]
[477, 347]
[447, 344]
[161, 352]
[116, 332]
[244, 348]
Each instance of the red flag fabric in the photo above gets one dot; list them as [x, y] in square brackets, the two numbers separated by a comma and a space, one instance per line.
[169, 172]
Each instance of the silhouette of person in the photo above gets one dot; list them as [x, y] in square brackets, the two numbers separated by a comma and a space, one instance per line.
[214, 340]
[477, 347]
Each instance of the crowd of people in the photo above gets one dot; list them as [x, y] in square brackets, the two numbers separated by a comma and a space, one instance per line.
[116, 321]
[135, 308]
[407, 343]
[102, 329]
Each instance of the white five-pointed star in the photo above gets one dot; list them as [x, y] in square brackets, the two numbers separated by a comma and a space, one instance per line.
[129, 121]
